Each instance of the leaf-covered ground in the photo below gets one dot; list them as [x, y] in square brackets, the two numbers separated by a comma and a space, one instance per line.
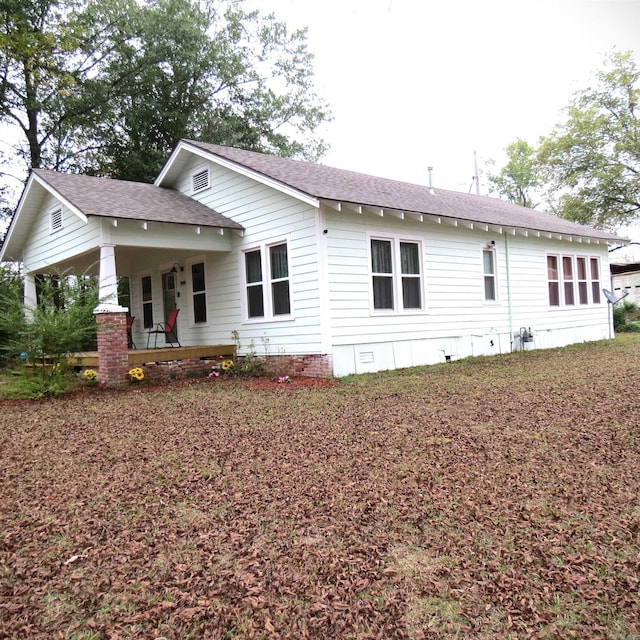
[489, 498]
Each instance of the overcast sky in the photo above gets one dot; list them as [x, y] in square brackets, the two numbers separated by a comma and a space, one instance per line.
[419, 83]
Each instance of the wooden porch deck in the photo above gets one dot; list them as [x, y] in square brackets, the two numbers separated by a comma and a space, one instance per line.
[139, 357]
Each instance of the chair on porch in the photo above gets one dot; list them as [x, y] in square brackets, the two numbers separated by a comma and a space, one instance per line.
[167, 328]
[130, 343]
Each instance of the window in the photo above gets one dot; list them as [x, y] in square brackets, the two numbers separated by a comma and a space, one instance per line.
[410, 269]
[382, 271]
[267, 281]
[147, 302]
[554, 281]
[571, 278]
[198, 292]
[581, 272]
[595, 280]
[255, 298]
[489, 268]
[279, 280]
[396, 274]
[55, 220]
[200, 180]
[567, 279]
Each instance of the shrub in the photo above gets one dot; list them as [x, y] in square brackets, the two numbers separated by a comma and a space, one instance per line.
[622, 314]
[247, 366]
[11, 314]
[63, 321]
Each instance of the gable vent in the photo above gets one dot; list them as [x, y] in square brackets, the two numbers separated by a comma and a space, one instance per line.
[200, 180]
[55, 220]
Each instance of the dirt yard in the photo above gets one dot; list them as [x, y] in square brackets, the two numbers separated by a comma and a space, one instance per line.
[488, 498]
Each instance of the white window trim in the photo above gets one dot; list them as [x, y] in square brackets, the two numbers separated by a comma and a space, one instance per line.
[267, 298]
[493, 250]
[189, 277]
[577, 305]
[398, 309]
[198, 171]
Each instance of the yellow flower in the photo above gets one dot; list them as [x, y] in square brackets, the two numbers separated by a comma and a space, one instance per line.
[226, 365]
[136, 374]
[90, 374]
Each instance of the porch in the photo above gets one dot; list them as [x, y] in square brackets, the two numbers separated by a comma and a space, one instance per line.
[183, 360]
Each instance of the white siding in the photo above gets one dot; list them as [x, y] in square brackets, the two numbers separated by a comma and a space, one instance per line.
[456, 321]
[44, 248]
[627, 282]
[268, 217]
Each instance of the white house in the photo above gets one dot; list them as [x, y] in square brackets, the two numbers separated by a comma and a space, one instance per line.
[340, 271]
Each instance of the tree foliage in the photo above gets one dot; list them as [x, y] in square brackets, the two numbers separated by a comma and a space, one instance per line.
[591, 162]
[109, 86]
[520, 177]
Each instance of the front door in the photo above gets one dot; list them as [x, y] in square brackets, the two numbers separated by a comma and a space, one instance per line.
[169, 297]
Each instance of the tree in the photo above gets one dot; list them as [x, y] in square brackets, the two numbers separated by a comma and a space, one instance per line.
[519, 178]
[109, 86]
[591, 162]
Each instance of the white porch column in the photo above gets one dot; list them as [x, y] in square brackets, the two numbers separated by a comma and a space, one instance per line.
[108, 282]
[30, 296]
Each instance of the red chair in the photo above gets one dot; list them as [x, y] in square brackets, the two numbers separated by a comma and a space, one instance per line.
[130, 343]
[167, 328]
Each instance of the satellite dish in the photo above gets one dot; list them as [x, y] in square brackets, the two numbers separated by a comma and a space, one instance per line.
[611, 297]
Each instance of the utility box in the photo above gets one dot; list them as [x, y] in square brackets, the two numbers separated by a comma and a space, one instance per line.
[523, 340]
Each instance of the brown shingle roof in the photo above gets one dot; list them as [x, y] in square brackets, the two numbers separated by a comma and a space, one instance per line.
[131, 200]
[328, 183]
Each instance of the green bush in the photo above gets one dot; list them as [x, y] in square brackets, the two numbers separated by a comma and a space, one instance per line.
[622, 317]
[11, 314]
[42, 382]
[63, 321]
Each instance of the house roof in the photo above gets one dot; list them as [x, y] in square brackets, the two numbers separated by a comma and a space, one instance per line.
[131, 200]
[342, 186]
[102, 197]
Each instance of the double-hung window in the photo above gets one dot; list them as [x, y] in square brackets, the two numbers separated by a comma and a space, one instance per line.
[267, 281]
[199, 293]
[553, 277]
[567, 279]
[147, 302]
[581, 272]
[396, 274]
[489, 268]
[573, 280]
[595, 280]
[279, 271]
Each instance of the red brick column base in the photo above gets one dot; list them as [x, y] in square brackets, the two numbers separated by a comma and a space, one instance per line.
[113, 362]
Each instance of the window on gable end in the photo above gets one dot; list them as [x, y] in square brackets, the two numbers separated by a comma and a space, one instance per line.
[200, 180]
[55, 220]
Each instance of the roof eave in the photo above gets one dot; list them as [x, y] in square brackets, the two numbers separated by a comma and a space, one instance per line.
[588, 238]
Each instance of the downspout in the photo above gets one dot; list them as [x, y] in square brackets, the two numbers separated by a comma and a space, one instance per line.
[509, 302]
